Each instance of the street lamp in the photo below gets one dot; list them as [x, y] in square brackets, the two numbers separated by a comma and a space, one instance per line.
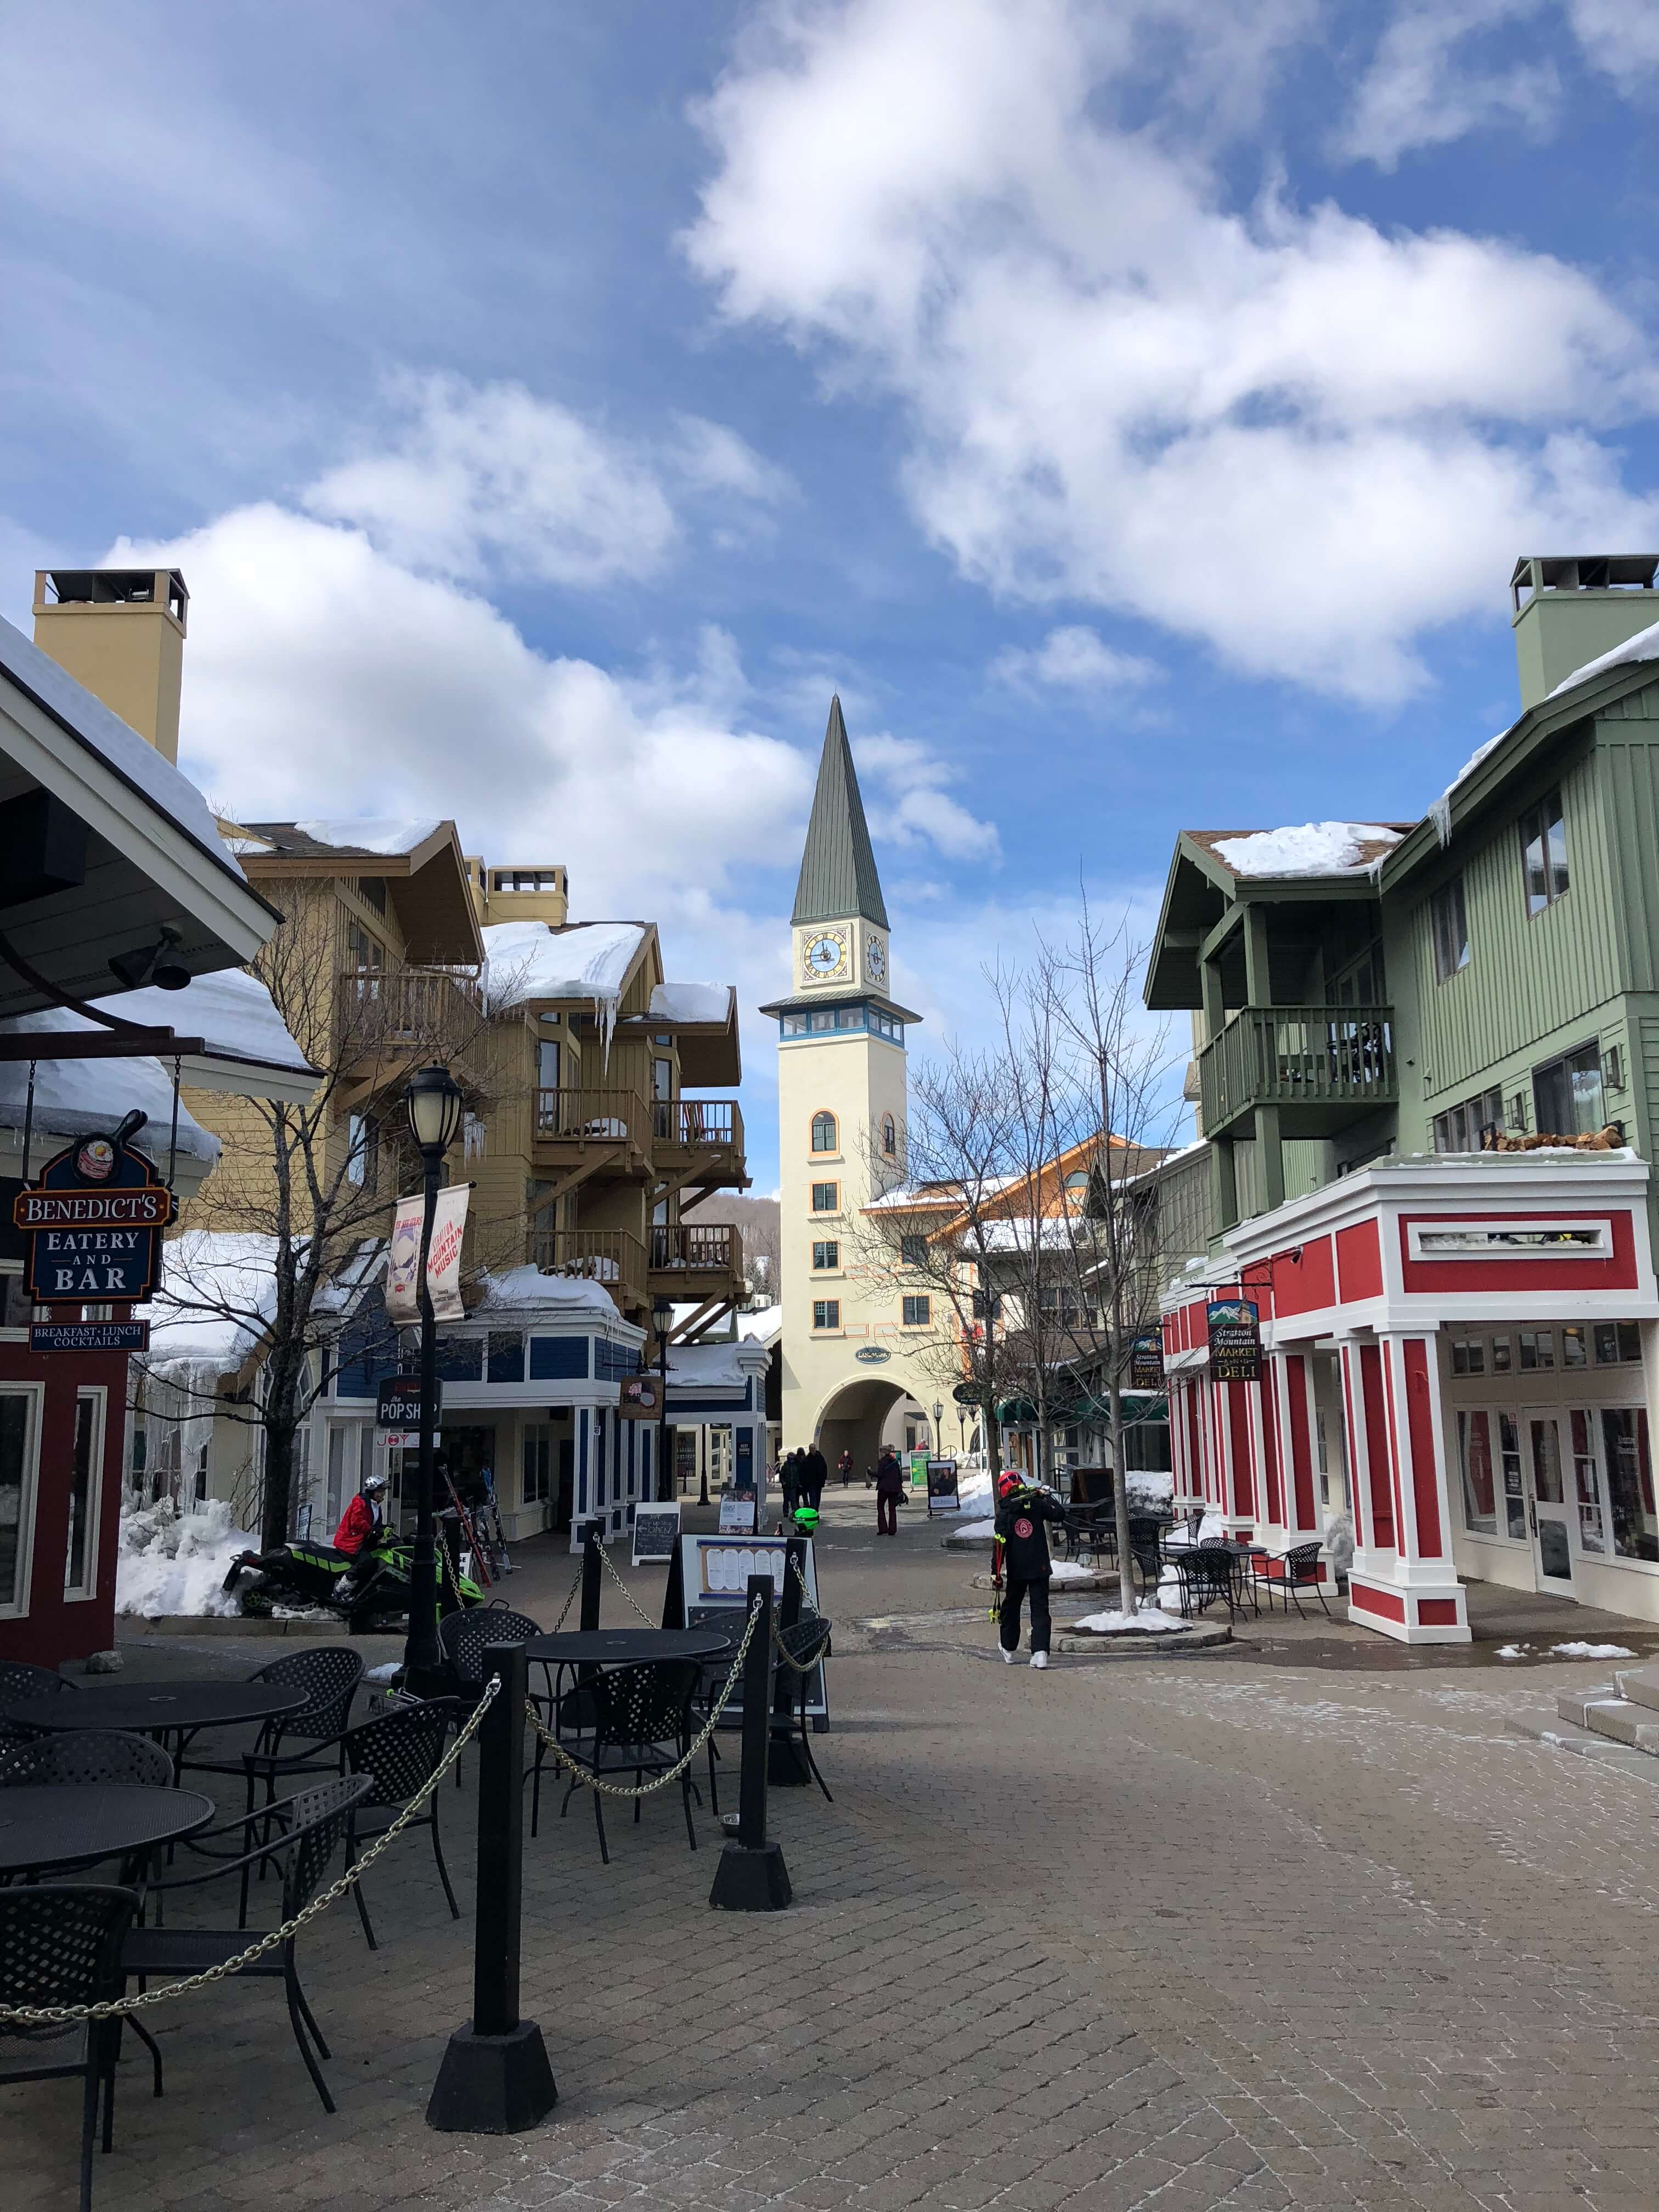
[662, 1320]
[434, 1102]
[939, 1431]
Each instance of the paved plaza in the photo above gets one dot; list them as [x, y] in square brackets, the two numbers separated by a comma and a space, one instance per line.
[1242, 1931]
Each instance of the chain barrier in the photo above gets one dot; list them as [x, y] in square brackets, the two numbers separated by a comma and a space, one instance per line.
[610, 1569]
[794, 1665]
[562, 1761]
[571, 1595]
[116, 2008]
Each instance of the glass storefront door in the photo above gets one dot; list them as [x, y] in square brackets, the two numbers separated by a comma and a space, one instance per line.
[1551, 1512]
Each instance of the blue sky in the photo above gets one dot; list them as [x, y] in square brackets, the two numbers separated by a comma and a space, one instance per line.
[1135, 410]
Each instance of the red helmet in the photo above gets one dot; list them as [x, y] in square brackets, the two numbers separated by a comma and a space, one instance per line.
[1009, 1482]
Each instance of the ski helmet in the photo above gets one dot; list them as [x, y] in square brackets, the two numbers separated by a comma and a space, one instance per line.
[807, 1521]
[375, 1482]
[1009, 1483]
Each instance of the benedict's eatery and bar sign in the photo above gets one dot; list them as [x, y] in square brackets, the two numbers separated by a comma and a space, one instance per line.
[1458, 1349]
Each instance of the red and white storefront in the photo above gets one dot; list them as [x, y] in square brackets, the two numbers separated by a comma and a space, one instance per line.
[1462, 1349]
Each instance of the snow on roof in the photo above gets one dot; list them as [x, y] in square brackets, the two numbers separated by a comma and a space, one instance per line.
[525, 1288]
[712, 1366]
[1308, 849]
[230, 1011]
[1644, 646]
[87, 1097]
[764, 1325]
[585, 960]
[218, 1290]
[692, 1002]
[370, 836]
[104, 733]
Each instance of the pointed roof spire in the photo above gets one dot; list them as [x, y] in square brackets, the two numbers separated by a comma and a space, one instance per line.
[838, 876]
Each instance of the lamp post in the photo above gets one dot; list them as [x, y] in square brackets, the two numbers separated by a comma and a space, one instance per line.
[938, 1428]
[434, 1102]
[662, 1320]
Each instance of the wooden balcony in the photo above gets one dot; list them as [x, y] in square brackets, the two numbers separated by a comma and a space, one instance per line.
[1322, 1066]
[688, 1260]
[610, 1256]
[393, 1013]
[694, 1125]
[576, 1121]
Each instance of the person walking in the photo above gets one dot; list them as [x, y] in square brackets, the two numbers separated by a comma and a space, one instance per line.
[814, 1473]
[889, 1488]
[789, 1481]
[1022, 1553]
[844, 1468]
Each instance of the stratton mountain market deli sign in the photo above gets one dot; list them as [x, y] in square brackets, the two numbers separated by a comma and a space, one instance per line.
[1235, 1332]
[94, 1221]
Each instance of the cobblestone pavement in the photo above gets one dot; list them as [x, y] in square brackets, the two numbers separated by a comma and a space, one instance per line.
[1175, 1934]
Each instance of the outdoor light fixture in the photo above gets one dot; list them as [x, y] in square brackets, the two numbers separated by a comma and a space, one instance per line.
[160, 965]
[435, 1104]
[662, 1320]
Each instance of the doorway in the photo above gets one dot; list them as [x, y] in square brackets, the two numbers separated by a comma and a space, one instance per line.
[1550, 1514]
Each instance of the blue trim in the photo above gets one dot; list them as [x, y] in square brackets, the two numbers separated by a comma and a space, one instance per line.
[612, 1361]
[505, 1357]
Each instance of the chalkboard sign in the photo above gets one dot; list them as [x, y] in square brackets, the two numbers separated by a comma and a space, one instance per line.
[942, 1486]
[656, 1532]
[714, 1573]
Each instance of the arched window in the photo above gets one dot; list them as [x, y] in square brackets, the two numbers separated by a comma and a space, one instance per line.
[1076, 1192]
[889, 1136]
[824, 1133]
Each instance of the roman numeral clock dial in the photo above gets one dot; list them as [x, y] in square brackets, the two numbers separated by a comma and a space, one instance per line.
[826, 955]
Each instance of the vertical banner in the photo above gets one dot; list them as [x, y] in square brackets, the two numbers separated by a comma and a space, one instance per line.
[443, 1264]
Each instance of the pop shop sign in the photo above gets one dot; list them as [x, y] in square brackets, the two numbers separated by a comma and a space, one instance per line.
[94, 1223]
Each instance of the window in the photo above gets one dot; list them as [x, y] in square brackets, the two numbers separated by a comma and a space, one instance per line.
[826, 1253]
[1479, 1480]
[826, 1197]
[889, 1136]
[1500, 1355]
[662, 1078]
[1509, 1453]
[1612, 1068]
[1515, 1113]
[1076, 1192]
[1567, 1094]
[86, 1470]
[1629, 1482]
[1574, 1352]
[792, 1025]
[1586, 1488]
[547, 1064]
[1468, 1355]
[537, 1466]
[1544, 854]
[372, 890]
[1617, 1342]
[1461, 1127]
[1448, 925]
[1537, 1347]
[987, 1307]
[884, 1026]
[913, 1251]
[361, 1147]
[824, 1133]
[917, 1312]
[19, 1422]
[826, 1313]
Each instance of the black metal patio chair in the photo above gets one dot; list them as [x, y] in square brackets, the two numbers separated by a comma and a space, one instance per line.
[1206, 1574]
[60, 1944]
[463, 1638]
[305, 1832]
[1147, 1550]
[107, 1756]
[641, 1725]
[1286, 1574]
[328, 1674]
[18, 1679]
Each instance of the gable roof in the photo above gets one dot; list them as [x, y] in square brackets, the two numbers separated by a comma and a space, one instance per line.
[421, 863]
[838, 877]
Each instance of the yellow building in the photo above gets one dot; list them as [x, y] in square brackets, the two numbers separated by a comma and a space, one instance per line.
[861, 1357]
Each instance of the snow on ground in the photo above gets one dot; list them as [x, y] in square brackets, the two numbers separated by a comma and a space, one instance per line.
[168, 1564]
[1308, 849]
[1149, 1621]
[1072, 1571]
[1511, 1650]
[1590, 1651]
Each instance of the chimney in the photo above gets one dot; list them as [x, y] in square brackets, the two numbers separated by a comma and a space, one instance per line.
[121, 633]
[1571, 611]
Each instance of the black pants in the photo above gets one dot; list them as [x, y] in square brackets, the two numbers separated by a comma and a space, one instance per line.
[1013, 1591]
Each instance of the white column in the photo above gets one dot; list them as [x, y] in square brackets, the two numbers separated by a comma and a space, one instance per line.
[1407, 1588]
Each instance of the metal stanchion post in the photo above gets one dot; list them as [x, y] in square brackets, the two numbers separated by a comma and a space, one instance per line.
[592, 1562]
[785, 1768]
[751, 1876]
[496, 2079]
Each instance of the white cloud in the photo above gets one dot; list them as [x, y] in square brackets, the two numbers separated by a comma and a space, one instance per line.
[473, 482]
[1073, 658]
[1620, 37]
[1424, 87]
[910, 805]
[1284, 431]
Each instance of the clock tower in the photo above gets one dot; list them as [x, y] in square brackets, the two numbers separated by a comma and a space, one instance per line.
[858, 1354]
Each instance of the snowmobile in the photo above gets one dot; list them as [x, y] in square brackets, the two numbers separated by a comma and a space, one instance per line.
[367, 1589]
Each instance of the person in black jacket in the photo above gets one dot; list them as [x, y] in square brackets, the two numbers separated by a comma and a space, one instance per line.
[1022, 1556]
[814, 1473]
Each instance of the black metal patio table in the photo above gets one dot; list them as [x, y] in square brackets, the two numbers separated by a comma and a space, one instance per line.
[623, 1647]
[75, 1825]
[175, 1710]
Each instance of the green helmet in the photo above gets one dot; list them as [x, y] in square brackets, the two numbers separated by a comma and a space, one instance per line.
[806, 1520]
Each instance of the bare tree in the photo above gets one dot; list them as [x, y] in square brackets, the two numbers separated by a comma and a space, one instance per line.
[303, 1194]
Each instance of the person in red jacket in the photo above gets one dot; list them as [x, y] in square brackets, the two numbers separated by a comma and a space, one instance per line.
[361, 1517]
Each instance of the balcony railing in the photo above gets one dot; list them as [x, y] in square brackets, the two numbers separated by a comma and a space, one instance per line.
[697, 1124]
[587, 1117]
[612, 1257]
[1337, 1062]
[376, 1006]
[686, 1248]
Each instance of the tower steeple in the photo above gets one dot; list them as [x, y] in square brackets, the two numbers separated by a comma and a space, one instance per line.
[838, 877]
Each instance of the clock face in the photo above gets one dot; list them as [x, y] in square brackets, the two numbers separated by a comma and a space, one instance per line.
[826, 955]
[875, 959]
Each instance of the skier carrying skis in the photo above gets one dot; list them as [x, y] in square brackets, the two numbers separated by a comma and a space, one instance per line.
[1022, 1552]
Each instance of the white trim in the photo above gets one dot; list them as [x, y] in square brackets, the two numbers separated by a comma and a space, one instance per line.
[17, 1607]
[81, 1594]
[1491, 1239]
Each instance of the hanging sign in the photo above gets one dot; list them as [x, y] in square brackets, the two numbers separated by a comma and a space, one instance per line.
[1235, 1332]
[443, 1261]
[1147, 1362]
[639, 1398]
[94, 1221]
[90, 1336]
[398, 1403]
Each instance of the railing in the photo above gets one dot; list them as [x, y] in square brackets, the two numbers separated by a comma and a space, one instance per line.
[376, 1005]
[1330, 1056]
[698, 1123]
[587, 1117]
[612, 1257]
[687, 1248]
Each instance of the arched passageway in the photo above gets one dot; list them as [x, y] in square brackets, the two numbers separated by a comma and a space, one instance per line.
[857, 1417]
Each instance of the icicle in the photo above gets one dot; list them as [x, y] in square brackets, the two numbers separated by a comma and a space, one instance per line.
[1440, 815]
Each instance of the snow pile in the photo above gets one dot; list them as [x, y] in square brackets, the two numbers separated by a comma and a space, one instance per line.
[1511, 1650]
[1339, 1542]
[1310, 848]
[1644, 646]
[692, 1002]
[1149, 1492]
[1072, 1571]
[1590, 1651]
[1150, 1620]
[370, 836]
[714, 1366]
[527, 1287]
[761, 1326]
[87, 1097]
[168, 1564]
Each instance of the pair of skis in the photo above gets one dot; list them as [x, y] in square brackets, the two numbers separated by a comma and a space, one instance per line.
[488, 1551]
